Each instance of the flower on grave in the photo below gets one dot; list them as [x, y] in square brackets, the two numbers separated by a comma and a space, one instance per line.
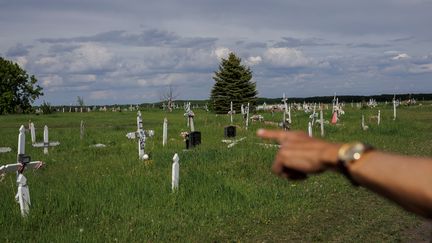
[184, 135]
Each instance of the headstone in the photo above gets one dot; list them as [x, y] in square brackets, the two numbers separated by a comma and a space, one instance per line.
[379, 117]
[247, 116]
[231, 112]
[289, 115]
[230, 131]
[310, 129]
[322, 123]
[82, 130]
[32, 133]
[175, 175]
[165, 132]
[363, 126]
[394, 108]
[193, 139]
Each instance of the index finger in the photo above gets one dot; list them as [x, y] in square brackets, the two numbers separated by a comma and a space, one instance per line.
[271, 134]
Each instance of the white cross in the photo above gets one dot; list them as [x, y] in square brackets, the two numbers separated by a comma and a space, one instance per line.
[46, 143]
[141, 134]
[23, 162]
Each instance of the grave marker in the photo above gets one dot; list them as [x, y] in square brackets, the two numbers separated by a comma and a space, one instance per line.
[379, 117]
[165, 132]
[82, 130]
[46, 143]
[23, 162]
[310, 129]
[175, 174]
[322, 122]
[32, 133]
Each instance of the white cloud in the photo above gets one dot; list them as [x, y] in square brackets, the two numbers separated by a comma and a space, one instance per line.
[286, 57]
[221, 52]
[251, 61]
[401, 56]
[90, 56]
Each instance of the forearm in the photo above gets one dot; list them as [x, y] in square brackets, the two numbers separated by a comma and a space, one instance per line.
[405, 180]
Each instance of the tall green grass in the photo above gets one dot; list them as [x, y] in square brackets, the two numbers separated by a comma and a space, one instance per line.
[91, 195]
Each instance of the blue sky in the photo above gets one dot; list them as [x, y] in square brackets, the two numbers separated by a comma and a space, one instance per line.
[131, 51]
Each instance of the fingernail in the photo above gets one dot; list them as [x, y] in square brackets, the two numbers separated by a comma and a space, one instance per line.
[260, 131]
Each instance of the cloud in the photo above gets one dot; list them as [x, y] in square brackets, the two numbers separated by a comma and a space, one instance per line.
[286, 57]
[51, 82]
[422, 68]
[222, 52]
[150, 37]
[100, 94]
[401, 56]
[18, 50]
[251, 61]
[367, 45]
[86, 58]
[297, 42]
[403, 39]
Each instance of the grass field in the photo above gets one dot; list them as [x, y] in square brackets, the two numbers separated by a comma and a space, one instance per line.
[94, 195]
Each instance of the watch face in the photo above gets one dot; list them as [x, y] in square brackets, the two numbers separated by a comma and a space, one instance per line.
[352, 152]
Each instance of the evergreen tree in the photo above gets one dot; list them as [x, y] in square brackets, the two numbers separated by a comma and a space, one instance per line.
[232, 83]
[18, 90]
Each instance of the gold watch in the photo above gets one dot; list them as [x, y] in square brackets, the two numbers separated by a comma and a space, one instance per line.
[348, 154]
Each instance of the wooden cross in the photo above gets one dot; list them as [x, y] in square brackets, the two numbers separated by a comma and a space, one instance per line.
[23, 162]
[46, 142]
[142, 135]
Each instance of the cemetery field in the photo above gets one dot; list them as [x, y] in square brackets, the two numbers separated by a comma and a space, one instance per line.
[225, 194]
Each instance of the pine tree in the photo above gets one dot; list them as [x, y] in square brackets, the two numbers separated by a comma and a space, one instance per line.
[232, 83]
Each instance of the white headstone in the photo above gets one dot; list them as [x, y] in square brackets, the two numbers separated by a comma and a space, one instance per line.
[379, 117]
[247, 116]
[175, 176]
[310, 129]
[231, 112]
[322, 123]
[46, 140]
[165, 132]
[21, 140]
[191, 123]
[32, 133]
[394, 108]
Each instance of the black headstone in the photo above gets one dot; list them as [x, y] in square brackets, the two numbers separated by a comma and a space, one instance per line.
[193, 139]
[230, 131]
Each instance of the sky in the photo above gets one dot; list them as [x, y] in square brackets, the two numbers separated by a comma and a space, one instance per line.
[131, 52]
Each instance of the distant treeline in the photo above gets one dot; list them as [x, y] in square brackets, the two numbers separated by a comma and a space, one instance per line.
[260, 101]
[348, 98]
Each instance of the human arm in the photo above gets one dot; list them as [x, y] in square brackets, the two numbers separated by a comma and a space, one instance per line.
[405, 180]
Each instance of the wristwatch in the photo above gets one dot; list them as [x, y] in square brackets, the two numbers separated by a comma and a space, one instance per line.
[349, 154]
